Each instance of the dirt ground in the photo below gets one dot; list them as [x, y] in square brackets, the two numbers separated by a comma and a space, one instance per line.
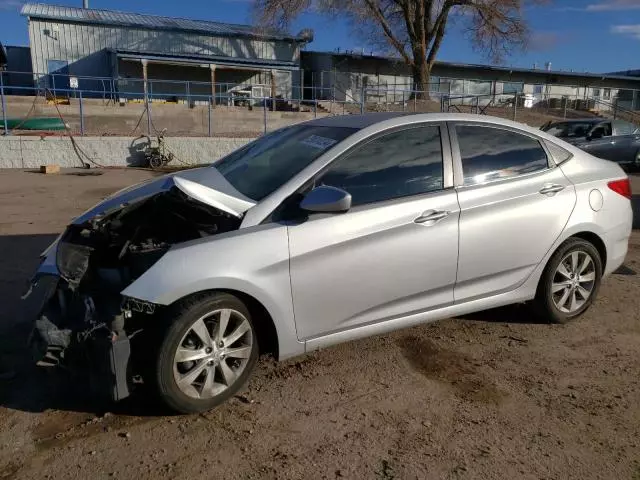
[491, 395]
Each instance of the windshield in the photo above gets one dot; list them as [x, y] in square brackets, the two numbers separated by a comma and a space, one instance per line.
[569, 129]
[264, 165]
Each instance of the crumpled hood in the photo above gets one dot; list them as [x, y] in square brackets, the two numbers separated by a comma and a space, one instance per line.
[205, 184]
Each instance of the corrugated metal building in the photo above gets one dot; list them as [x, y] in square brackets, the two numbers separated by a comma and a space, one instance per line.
[118, 45]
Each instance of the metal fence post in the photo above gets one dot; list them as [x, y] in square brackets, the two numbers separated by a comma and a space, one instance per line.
[404, 107]
[362, 99]
[81, 114]
[515, 105]
[315, 109]
[4, 104]
[264, 110]
[210, 107]
[566, 100]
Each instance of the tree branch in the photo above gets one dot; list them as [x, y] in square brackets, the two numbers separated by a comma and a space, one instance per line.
[379, 15]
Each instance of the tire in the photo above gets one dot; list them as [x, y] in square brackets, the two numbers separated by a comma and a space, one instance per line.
[554, 306]
[155, 161]
[193, 371]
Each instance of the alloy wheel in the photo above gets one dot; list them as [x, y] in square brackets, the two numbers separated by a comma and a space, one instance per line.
[213, 353]
[573, 281]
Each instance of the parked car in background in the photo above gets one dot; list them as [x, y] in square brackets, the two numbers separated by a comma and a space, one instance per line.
[615, 140]
[570, 130]
[324, 232]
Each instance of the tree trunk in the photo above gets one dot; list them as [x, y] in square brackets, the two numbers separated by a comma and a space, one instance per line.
[421, 76]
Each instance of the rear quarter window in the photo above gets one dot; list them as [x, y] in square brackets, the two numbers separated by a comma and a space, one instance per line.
[558, 153]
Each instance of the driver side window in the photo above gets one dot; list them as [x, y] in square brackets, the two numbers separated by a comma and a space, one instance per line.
[603, 130]
[399, 164]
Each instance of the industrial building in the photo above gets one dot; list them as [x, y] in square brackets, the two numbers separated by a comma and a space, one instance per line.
[129, 47]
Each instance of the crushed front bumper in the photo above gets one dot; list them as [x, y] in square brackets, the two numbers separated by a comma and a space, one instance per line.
[69, 331]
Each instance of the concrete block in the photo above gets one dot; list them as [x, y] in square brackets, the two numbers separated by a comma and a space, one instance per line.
[49, 168]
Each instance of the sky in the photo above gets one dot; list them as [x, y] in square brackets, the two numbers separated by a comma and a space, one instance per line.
[580, 35]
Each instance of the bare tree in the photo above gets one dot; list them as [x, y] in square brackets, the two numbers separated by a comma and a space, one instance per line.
[414, 29]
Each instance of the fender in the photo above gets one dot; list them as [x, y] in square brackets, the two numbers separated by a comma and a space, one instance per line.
[253, 260]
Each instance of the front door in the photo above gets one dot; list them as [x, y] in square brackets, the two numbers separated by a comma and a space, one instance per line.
[394, 253]
[514, 205]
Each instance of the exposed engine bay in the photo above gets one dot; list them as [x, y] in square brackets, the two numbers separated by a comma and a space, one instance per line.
[86, 324]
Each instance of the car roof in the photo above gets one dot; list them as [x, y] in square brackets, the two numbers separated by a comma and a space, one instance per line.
[355, 121]
[400, 118]
[580, 120]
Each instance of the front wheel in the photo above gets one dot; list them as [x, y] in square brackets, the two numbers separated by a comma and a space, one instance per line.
[570, 281]
[206, 354]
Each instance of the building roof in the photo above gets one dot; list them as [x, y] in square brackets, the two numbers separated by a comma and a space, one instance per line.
[123, 19]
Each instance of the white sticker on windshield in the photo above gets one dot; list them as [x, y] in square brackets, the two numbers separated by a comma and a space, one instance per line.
[316, 141]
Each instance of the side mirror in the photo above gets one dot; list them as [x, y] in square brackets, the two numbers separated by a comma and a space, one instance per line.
[326, 199]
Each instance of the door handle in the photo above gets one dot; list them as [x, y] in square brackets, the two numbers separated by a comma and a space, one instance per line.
[551, 188]
[432, 216]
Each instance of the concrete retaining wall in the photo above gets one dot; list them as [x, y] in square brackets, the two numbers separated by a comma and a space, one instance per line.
[31, 152]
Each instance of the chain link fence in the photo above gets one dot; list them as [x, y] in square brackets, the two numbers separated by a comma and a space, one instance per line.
[66, 104]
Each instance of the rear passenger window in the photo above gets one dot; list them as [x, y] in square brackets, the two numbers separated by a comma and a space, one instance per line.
[399, 164]
[624, 128]
[491, 154]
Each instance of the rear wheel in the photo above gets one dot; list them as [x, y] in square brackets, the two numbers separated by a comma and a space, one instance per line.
[206, 354]
[570, 281]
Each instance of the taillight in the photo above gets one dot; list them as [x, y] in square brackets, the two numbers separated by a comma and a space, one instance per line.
[623, 187]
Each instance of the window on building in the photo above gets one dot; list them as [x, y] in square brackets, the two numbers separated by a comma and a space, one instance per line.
[596, 92]
[491, 153]
[512, 87]
[477, 87]
[434, 84]
[606, 94]
[456, 86]
[445, 85]
[399, 164]
[537, 89]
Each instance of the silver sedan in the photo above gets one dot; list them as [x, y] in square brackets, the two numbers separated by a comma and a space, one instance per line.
[324, 232]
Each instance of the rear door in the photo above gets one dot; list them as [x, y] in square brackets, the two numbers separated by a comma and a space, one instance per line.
[514, 203]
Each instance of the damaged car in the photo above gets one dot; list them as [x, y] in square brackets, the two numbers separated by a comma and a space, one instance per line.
[320, 233]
